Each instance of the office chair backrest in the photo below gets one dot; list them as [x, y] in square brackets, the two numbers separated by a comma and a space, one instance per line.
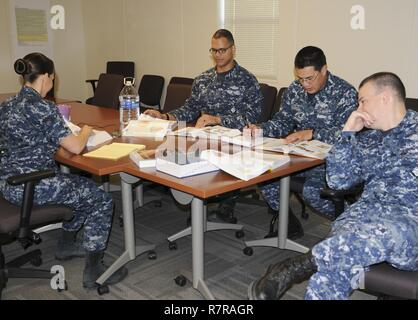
[123, 68]
[108, 90]
[269, 98]
[278, 103]
[412, 103]
[150, 90]
[181, 80]
[176, 96]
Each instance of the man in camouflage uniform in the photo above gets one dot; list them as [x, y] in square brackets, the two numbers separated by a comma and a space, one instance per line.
[31, 131]
[383, 224]
[315, 106]
[226, 95]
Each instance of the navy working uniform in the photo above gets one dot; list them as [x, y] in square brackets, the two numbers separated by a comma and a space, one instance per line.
[383, 224]
[234, 96]
[325, 113]
[30, 131]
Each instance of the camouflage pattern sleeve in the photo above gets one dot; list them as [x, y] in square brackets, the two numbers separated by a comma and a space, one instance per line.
[248, 110]
[50, 121]
[343, 163]
[345, 106]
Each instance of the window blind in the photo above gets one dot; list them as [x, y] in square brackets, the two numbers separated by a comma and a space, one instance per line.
[255, 26]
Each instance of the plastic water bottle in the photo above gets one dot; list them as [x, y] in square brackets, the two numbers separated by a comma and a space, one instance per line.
[129, 103]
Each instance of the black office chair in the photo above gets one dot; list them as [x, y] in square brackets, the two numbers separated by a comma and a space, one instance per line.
[278, 102]
[123, 68]
[176, 96]
[181, 80]
[382, 279]
[107, 92]
[412, 103]
[388, 282]
[269, 99]
[150, 91]
[17, 223]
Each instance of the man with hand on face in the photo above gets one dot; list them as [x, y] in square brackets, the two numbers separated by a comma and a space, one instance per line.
[382, 226]
[315, 106]
[226, 95]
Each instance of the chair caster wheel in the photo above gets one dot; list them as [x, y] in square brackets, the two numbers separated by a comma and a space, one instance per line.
[65, 287]
[102, 289]
[172, 245]
[152, 255]
[158, 204]
[120, 222]
[239, 234]
[180, 281]
[248, 251]
[36, 262]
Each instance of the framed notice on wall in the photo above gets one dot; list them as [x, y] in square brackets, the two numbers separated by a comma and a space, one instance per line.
[30, 28]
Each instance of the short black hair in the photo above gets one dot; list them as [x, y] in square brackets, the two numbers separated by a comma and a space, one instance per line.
[223, 33]
[33, 65]
[383, 80]
[310, 57]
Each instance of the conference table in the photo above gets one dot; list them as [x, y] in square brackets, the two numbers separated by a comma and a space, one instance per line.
[195, 190]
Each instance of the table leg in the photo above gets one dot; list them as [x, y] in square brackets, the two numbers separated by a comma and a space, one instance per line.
[198, 249]
[131, 251]
[281, 242]
[184, 198]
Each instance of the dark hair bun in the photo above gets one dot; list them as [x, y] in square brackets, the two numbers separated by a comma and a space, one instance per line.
[21, 67]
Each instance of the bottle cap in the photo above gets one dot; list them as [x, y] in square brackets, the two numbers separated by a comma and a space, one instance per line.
[128, 81]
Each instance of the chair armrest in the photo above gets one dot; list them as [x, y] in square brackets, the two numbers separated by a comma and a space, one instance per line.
[93, 83]
[338, 194]
[339, 197]
[30, 177]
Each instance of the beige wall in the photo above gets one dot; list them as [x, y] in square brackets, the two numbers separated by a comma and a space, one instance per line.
[387, 43]
[172, 37]
[68, 48]
[8, 79]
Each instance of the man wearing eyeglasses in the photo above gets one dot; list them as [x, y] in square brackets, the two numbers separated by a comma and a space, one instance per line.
[315, 106]
[226, 95]
[382, 226]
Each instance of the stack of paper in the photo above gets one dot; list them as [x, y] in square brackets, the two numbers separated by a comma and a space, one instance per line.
[147, 126]
[114, 151]
[246, 164]
[96, 137]
[183, 164]
[143, 158]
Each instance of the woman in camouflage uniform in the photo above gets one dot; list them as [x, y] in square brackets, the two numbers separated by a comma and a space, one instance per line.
[31, 131]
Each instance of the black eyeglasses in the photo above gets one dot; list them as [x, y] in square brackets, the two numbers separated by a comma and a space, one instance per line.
[308, 79]
[220, 50]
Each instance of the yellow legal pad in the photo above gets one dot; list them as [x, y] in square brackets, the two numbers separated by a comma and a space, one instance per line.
[114, 151]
